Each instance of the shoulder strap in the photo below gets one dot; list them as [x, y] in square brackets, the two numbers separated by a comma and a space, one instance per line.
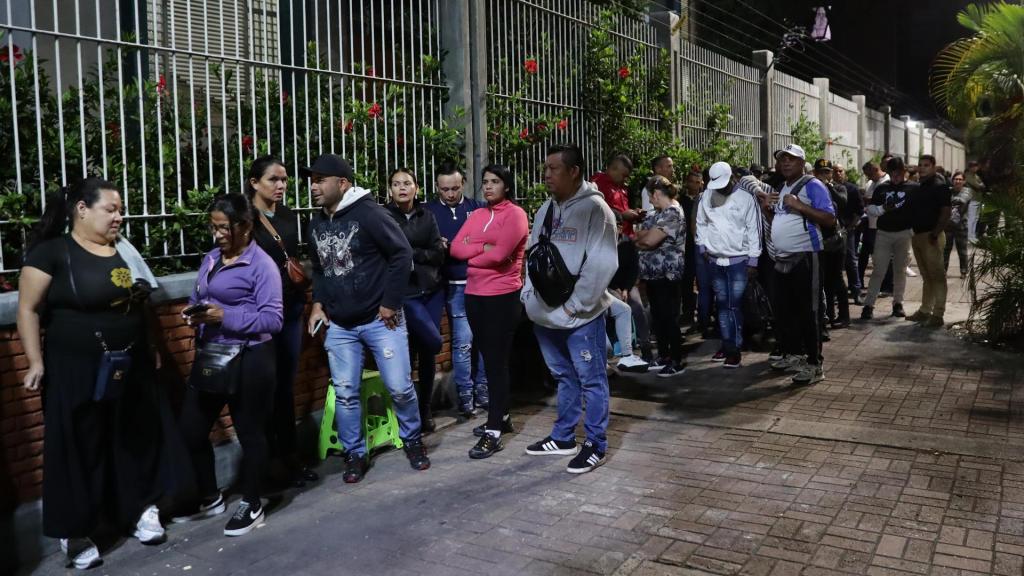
[548, 219]
[273, 232]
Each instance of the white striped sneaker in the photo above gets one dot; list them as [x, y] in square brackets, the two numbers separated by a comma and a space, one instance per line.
[81, 553]
[588, 459]
[551, 446]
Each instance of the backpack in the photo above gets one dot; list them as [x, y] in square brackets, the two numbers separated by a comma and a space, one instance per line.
[547, 270]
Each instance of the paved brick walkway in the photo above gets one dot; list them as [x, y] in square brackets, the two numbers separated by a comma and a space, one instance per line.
[903, 462]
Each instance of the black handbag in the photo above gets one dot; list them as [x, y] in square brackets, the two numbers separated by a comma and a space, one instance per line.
[115, 365]
[757, 307]
[217, 368]
[548, 273]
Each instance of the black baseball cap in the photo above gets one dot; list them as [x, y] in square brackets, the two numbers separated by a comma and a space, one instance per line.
[822, 164]
[329, 165]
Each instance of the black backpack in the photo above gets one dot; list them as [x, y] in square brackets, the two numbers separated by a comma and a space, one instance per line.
[548, 273]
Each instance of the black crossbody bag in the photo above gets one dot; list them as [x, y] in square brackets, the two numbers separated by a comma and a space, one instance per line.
[115, 365]
[217, 368]
[549, 275]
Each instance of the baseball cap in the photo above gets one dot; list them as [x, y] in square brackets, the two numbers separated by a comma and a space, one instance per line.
[719, 175]
[793, 150]
[822, 164]
[329, 165]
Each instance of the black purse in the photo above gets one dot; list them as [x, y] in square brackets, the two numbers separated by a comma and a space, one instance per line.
[115, 365]
[548, 273]
[217, 368]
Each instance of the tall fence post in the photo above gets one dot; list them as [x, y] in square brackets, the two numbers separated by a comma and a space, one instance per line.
[906, 139]
[763, 59]
[824, 117]
[465, 69]
[887, 130]
[862, 129]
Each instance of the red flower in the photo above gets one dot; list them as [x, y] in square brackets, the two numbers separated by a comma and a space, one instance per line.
[371, 72]
[624, 72]
[525, 133]
[530, 65]
[5, 53]
[247, 142]
[563, 124]
[348, 127]
[161, 85]
[375, 111]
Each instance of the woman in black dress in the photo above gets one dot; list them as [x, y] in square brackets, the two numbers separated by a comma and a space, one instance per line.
[88, 289]
[267, 183]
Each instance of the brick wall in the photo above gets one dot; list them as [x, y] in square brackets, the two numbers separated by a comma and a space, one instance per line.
[21, 416]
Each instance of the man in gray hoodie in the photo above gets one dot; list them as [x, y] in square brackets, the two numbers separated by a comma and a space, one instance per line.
[572, 335]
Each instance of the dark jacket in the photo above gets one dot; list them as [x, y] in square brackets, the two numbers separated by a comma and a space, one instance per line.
[361, 261]
[850, 214]
[428, 252]
[287, 225]
[449, 222]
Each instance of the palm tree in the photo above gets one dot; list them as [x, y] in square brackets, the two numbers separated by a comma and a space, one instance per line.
[978, 82]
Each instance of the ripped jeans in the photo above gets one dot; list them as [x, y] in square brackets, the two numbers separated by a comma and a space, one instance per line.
[390, 349]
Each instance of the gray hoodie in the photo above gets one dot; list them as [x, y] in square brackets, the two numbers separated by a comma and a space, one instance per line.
[583, 224]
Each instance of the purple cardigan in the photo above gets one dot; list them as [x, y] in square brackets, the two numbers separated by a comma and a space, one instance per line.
[249, 291]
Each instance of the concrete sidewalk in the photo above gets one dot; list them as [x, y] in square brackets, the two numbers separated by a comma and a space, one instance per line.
[904, 461]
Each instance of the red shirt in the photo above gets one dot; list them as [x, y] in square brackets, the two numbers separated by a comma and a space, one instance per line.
[616, 196]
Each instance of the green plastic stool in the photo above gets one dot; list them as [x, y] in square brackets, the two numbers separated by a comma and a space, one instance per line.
[380, 427]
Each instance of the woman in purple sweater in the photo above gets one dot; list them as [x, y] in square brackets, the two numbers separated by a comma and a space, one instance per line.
[236, 300]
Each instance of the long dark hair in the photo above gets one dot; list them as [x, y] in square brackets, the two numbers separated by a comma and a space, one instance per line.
[236, 207]
[257, 169]
[60, 208]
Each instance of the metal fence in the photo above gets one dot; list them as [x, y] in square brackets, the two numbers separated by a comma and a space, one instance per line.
[874, 134]
[897, 137]
[792, 97]
[843, 141]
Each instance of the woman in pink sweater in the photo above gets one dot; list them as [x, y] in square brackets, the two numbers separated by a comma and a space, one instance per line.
[493, 241]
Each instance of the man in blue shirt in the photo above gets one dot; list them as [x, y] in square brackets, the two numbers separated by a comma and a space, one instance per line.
[450, 209]
[798, 210]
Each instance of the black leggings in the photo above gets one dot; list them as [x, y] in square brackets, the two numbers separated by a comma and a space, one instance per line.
[832, 264]
[664, 296]
[250, 408]
[493, 320]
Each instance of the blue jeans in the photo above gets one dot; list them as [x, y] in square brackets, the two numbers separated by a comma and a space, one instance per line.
[704, 290]
[730, 282]
[390, 349]
[423, 317]
[852, 266]
[577, 362]
[468, 384]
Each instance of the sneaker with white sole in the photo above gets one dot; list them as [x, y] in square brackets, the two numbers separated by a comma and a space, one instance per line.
[81, 553]
[553, 447]
[588, 459]
[247, 517]
[207, 508]
[789, 362]
[632, 363]
[658, 364]
[809, 374]
[776, 354]
[148, 529]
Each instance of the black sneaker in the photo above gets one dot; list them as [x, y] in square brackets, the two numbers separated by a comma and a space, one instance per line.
[486, 447]
[207, 508]
[672, 369]
[416, 452]
[247, 516]
[355, 468]
[588, 459]
[506, 428]
[551, 446]
[897, 310]
[867, 313]
[427, 425]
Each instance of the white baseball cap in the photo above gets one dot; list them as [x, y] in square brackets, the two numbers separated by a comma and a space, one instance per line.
[793, 150]
[720, 174]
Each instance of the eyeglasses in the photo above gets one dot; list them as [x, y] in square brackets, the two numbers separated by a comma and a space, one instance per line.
[222, 228]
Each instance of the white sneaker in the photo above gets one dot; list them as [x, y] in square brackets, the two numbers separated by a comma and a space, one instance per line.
[632, 363]
[148, 529]
[82, 553]
[910, 272]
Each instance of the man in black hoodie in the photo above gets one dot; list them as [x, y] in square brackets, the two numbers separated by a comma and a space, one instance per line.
[361, 263]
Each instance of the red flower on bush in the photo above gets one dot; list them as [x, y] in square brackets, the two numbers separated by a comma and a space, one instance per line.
[247, 143]
[348, 127]
[624, 72]
[375, 111]
[530, 65]
[540, 127]
[563, 124]
[525, 133]
[5, 53]
[371, 72]
[161, 85]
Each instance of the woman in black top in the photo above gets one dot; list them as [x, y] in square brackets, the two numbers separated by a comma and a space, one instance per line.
[88, 290]
[266, 185]
[424, 299]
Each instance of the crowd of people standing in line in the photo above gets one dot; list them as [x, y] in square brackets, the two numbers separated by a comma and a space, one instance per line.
[598, 271]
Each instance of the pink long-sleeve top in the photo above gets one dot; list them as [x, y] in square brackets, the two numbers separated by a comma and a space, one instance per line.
[496, 270]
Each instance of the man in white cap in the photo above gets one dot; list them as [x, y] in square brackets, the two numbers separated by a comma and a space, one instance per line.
[729, 241]
[799, 210]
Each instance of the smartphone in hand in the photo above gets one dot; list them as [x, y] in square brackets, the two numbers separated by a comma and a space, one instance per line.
[195, 309]
[316, 327]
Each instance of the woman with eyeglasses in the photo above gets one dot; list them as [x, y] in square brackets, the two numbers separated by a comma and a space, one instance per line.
[236, 308]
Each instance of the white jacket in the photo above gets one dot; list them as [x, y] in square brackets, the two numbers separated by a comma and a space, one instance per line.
[731, 230]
